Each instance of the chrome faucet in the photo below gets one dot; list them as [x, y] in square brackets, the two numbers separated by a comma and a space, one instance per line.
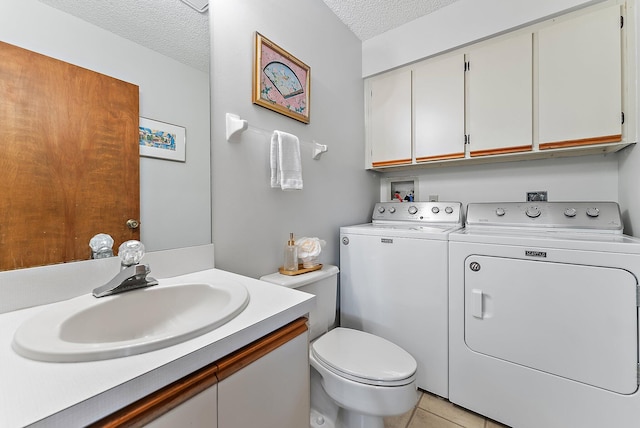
[132, 274]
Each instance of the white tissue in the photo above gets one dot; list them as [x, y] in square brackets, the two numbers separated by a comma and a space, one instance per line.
[308, 250]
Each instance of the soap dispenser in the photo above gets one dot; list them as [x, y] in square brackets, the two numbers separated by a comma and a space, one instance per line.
[291, 255]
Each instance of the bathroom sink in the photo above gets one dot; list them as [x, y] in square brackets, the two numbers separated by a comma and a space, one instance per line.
[87, 328]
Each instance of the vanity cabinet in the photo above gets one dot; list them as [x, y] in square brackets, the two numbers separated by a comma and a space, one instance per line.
[264, 384]
[551, 89]
[199, 411]
[499, 96]
[580, 80]
[271, 392]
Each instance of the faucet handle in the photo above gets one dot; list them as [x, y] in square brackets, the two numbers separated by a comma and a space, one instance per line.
[131, 252]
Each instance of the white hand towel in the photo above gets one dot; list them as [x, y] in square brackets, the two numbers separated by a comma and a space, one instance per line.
[286, 166]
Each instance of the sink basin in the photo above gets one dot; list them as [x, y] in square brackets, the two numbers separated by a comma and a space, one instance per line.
[88, 329]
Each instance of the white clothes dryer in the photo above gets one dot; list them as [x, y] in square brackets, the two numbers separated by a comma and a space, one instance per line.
[393, 281]
[544, 315]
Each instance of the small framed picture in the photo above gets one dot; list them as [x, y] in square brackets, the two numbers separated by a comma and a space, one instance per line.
[162, 140]
[281, 82]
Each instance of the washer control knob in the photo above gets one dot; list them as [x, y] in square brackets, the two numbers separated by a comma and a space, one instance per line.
[448, 210]
[533, 212]
[500, 212]
[570, 212]
[380, 210]
[392, 210]
[435, 210]
[593, 212]
[413, 209]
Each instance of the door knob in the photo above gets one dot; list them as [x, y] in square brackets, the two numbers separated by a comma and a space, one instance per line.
[133, 224]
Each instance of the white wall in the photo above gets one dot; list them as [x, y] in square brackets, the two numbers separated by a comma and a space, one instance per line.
[252, 221]
[175, 197]
[454, 26]
[577, 178]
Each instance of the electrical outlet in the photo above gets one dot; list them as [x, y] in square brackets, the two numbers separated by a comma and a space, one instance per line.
[540, 196]
[433, 198]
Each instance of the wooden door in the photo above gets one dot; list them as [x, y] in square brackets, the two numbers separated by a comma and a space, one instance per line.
[69, 162]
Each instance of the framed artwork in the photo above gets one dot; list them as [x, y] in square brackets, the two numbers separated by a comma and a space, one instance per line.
[162, 140]
[281, 82]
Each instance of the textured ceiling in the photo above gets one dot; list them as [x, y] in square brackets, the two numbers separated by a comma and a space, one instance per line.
[169, 27]
[368, 18]
[174, 29]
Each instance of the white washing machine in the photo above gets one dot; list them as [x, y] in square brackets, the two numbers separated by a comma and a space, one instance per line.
[544, 315]
[393, 281]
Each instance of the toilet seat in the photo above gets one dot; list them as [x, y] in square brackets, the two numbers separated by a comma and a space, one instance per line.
[365, 358]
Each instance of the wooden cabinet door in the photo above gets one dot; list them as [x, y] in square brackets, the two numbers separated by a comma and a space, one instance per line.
[389, 124]
[438, 109]
[580, 85]
[499, 96]
[69, 167]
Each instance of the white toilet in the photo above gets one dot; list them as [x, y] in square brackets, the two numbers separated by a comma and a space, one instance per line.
[358, 378]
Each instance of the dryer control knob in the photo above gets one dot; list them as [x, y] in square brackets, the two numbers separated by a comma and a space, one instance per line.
[533, 212]
[413, 209]
[593, 212]
[392, 210]
[500, 212]
[380, 210]
[570, 212]
[435, 210]
[448, 210]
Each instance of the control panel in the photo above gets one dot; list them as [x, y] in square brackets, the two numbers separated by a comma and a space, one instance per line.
[419, 212]
[592, 216]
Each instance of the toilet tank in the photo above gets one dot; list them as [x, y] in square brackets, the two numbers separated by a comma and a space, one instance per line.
[323, 284]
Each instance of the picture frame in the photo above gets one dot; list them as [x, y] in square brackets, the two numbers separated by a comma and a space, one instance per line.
[281, 82]
[162, 140]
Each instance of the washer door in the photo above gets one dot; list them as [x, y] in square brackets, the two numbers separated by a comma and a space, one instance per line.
[575, 321]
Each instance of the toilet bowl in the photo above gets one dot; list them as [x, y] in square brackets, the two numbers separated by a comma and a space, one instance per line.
[362, 377]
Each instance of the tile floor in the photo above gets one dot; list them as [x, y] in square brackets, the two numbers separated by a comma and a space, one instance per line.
[435, 412]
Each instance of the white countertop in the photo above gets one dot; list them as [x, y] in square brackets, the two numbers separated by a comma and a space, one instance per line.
[75, 394]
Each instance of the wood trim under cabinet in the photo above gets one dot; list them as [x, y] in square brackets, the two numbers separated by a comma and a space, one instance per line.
[162, 401]
[240, 359]
[582, 142]
[440, 157]
[502, 151]
[390, 163]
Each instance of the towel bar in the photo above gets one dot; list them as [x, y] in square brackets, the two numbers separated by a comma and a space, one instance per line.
[235, 126]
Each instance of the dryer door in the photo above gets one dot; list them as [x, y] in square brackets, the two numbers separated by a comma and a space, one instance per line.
[574, 321]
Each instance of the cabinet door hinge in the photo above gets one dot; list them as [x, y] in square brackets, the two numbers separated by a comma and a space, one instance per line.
[467, 139]
[622, 114]
[467, 65]
[621, 21]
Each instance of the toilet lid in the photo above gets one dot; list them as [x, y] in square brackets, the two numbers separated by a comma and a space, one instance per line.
[364, 357]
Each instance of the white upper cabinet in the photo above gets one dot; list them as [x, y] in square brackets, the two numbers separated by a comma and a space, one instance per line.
[580, 83]
[438, 108]
[389, 119]
[499, 96]
[555, 88]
